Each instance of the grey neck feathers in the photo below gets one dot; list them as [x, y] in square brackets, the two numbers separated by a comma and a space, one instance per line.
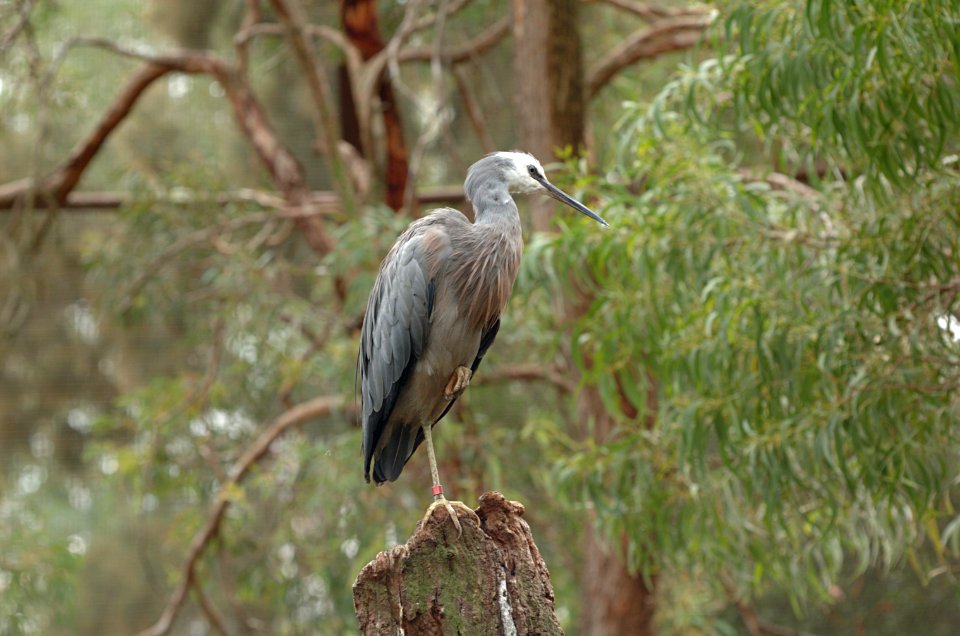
[492, 204]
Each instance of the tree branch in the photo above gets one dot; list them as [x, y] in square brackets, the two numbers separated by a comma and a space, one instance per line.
[319, 202]
[647, 11]
[291, 17]
[318, 407]
[671, 34]
[213, 616]
[283, 167]
[61, 182]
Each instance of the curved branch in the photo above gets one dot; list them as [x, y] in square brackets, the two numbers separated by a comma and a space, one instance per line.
[295, 416]
[62, 181]
[673, 34]
[283, 167]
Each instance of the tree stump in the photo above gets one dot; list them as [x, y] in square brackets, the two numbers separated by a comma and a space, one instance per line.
[490, 580]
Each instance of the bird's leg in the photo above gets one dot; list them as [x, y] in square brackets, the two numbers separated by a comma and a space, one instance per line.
[458, 383]
[438, 498]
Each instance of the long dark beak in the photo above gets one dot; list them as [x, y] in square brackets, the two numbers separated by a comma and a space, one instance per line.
[563, 197]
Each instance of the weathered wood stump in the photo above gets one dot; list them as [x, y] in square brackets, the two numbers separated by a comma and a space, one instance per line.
[490, 580]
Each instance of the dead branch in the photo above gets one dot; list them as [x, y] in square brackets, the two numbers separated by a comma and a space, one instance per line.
[665, 36]
[318, 407]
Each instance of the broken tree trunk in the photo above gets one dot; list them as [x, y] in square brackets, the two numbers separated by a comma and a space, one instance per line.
[490, 580]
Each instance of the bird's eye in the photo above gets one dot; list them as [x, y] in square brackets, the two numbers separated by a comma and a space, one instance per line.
[532, 170]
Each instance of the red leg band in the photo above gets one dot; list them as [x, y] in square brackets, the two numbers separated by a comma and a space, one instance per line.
[438, 491]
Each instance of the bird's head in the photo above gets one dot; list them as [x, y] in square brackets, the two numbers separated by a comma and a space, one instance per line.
[523, 174]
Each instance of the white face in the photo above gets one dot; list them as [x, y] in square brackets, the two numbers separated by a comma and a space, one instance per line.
[518, 177]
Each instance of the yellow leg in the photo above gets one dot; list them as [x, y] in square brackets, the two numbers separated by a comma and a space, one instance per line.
[439, 499]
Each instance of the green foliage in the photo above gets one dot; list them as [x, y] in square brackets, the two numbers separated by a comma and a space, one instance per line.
[805, 389]
[806, 396]
[871, 85]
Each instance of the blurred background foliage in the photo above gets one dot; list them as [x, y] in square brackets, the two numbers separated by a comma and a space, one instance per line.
[770, 324]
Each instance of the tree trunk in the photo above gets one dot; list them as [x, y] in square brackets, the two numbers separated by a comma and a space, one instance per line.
[548, 84]
[614, 600]
[490, 580]
[551, 110]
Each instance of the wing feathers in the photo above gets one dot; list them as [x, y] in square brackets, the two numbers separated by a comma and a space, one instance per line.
[395, 332]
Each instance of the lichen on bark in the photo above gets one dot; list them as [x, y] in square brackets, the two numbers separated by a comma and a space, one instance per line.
[489, 580]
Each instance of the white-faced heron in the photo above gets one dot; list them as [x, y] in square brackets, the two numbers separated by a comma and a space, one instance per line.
[435, 310]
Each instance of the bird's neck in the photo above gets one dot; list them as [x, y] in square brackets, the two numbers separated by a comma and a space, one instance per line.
[493, 205]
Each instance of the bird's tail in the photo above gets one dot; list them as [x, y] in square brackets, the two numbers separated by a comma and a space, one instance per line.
[403, 441]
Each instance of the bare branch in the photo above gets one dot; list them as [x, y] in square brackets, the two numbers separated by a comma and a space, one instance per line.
[318, 407]
[285, 170]
[672, 34]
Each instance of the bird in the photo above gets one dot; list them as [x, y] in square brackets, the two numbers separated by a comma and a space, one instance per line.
[434, 311]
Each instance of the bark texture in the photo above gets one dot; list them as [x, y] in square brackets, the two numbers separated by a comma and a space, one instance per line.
[548, 88]
[361, 25]
[490, 580]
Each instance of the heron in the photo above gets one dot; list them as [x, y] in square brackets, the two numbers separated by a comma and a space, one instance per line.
[434, 311]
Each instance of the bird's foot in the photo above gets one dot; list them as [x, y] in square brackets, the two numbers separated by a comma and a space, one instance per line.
[449, 506]
[458, 383]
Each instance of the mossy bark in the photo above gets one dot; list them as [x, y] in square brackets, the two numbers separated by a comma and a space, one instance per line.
[489, 580]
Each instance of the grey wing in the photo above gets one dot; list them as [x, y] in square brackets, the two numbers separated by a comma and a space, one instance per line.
[394, 333]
